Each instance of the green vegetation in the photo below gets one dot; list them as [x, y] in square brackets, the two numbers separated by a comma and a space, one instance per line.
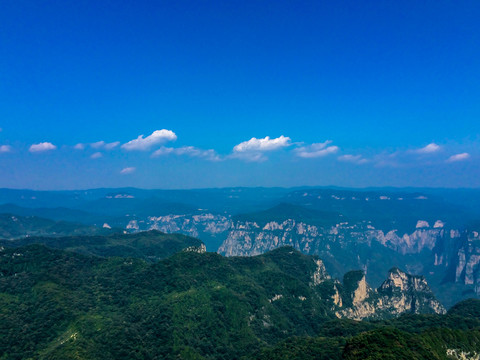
[14, 226]
[149, 245]
[56, 304]
[62, 305]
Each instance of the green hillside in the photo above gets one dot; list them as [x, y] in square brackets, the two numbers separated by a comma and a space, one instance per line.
[15, 226]
[56, 304]
[148, 245]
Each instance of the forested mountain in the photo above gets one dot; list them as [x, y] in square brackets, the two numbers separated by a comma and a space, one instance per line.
[149, 245]
[64, 305]
[15, 226]
[429, 232]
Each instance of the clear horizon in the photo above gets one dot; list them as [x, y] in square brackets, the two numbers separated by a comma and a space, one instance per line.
[333, 187]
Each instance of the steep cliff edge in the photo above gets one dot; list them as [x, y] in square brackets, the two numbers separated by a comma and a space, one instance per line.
[400, 293]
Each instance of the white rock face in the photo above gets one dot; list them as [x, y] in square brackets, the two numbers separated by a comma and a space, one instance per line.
[467, 269]
[133, 225]
[192, 225]
[275, 298]
[337, 298]
[198, 249]
[251, 238]
[320, 275]
[400, 293]
[361, 292]
[438, 224]
[309, 238]
[422, 224]
[462, 355]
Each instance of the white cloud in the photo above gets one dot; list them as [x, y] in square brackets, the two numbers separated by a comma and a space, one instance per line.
[249, 156]
[163, 151]
[104, 145]
[356, 159]
[191, 151]
[96, 155]
[5, 148]
[79, 146]
[458, 157]
[429, 149]
[316, 150]
[112, 145]
[127, 170]
[254, 149]
[98, 144]
[261, 145]
[45, 146]
[146, 143]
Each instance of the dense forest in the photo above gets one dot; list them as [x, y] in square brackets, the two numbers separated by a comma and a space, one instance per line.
[57, 304]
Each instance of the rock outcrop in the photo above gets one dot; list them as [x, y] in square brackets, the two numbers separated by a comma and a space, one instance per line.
[249, 238]
[454, 253]
[400, 293]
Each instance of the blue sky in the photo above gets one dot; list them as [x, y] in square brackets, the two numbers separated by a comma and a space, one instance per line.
[239, 93]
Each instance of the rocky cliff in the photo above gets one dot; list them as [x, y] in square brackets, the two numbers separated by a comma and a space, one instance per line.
[400, 293]
[443, 254]
[249, 238]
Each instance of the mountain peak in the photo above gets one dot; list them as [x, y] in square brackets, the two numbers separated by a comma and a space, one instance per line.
[400, 293]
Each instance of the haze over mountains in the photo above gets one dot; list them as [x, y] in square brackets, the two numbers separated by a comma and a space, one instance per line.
[429, 232]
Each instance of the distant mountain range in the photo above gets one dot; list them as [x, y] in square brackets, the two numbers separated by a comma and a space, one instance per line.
[430, 232]
[16, 226]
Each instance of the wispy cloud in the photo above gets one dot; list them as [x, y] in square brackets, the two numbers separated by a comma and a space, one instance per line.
[429, 149]
[96, 155]
[5, 148]
[458, 157]
[191, 151]
[41, 147]
[316, 150]
[248, 156]
[98, 144]
[146, 143]
[356, 159]
[103, 145]
[112, 145]
[127, 170]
